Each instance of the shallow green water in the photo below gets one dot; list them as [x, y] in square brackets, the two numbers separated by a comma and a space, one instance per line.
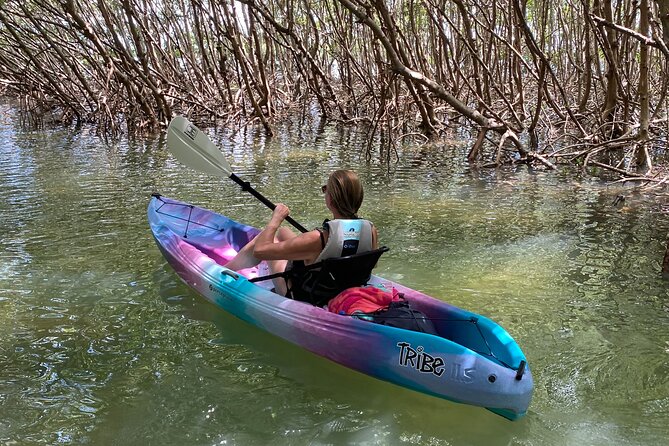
[100, 343]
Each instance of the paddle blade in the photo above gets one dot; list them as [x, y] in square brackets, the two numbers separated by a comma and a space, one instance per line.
[194, 148]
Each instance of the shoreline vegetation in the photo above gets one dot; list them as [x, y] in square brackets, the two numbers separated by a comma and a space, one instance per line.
[547, 83]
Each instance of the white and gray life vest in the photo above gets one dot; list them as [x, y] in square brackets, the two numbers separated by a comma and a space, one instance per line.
[346, 237]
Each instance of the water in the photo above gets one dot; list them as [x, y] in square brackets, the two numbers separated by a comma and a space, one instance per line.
[100, 343]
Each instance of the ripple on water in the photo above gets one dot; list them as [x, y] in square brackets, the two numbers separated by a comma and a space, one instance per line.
[100, 343]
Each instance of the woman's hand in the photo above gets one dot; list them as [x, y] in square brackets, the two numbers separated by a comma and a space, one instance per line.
[280, 213]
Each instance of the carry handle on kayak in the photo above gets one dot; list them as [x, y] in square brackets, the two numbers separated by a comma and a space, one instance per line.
[230, 273]
[521, 370]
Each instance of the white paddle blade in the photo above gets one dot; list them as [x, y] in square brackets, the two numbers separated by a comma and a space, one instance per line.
[194, 148]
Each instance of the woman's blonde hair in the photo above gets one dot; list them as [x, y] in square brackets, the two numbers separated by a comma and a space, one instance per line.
[346, 194]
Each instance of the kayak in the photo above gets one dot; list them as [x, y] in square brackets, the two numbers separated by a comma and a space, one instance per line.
[472, 360]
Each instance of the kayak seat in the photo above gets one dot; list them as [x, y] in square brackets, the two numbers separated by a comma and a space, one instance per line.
[319, 282]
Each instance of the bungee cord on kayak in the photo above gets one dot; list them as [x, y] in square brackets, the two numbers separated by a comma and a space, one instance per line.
[187, 220]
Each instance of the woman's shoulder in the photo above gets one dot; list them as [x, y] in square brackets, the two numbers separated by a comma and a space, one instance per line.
[305, 244]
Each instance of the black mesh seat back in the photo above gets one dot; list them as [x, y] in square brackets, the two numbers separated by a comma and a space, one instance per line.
[353, 270]
[335, 275]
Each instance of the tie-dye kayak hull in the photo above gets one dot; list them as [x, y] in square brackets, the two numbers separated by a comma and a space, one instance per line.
[472, 361]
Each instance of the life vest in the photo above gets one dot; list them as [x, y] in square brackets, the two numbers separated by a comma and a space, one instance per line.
[346, 237]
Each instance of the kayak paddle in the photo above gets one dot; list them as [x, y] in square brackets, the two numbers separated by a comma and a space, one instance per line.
[193, 148]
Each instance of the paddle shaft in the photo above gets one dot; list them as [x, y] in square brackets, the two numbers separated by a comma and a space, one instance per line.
[246, 186]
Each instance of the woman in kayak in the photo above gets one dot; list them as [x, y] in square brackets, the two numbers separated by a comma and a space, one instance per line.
[346, 234]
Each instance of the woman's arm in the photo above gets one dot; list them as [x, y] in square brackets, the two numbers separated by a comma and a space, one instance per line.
[301, 247]
[375, 237]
